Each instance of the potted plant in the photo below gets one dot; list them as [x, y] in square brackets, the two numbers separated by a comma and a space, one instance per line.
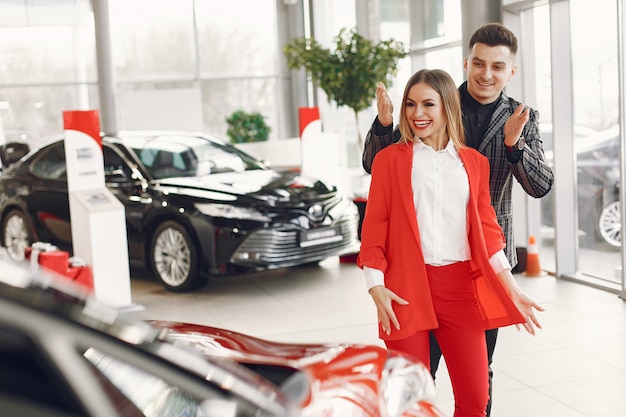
[349, 73]
[247, 127]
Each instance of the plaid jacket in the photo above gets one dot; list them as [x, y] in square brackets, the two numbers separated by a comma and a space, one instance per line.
[531, 172]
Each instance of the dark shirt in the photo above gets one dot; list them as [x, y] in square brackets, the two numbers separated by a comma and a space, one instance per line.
[476, 117]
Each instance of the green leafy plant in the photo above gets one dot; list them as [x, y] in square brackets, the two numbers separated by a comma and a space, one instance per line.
[349, 73]
[247, 127]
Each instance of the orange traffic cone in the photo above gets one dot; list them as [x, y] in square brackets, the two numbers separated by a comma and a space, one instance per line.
[533, 269]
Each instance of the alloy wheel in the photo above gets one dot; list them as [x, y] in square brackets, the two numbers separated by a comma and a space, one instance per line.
[15, 234]
[174, 257]
[610, 224]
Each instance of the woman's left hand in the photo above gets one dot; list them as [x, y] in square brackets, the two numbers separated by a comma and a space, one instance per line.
[525, 305]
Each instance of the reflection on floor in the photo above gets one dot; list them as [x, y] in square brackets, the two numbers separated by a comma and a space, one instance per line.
[574, 367]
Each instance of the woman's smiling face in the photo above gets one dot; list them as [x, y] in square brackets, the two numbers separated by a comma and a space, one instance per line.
[425, 112]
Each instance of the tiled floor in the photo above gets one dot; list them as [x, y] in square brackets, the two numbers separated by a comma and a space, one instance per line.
[574, 367]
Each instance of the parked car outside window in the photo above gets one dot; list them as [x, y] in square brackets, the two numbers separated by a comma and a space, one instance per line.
[598, 173]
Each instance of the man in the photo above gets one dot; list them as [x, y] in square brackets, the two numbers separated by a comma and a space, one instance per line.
[501, 128]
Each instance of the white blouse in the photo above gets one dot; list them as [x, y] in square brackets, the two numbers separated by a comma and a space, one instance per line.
[440, 194]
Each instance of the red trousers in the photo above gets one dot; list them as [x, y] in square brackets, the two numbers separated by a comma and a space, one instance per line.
[461, 336]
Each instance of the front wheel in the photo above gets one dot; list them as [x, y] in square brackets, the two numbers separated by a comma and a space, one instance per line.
[610, 224]
[15, 234]
[174, 258]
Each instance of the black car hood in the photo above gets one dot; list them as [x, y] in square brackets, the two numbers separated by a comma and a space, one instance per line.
[265, 185]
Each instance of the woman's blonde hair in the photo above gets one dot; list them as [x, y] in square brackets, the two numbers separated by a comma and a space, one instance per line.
[442, 83]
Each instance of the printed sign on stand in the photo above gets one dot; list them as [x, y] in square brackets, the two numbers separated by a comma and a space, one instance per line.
[83, 150]
[97, 217]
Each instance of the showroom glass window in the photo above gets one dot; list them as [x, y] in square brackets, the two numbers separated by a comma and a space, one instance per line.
[225, 52]
[153, 40]
[435, 41]
[594, 133]
[596, 109]
[154, 64]
[221, 55]
[543, 94]
[48, 51]
[442, 37]
[395, 24]
[236, 58]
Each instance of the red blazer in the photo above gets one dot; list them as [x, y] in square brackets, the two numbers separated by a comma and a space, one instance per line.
[390, 242]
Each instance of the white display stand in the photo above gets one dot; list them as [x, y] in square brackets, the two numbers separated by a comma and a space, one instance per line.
[99, 240]
[97, 217]
[323, 154]
[323, 158]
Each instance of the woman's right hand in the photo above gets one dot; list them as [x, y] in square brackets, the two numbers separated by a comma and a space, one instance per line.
[383, 298]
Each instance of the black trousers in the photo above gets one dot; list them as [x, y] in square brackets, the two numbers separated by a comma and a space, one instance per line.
[490, 338]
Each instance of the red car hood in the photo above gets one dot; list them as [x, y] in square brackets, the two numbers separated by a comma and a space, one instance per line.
[344, 379]
[244, 348]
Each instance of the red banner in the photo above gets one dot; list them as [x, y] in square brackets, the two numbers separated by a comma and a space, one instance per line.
[86, 121]
[307, 116]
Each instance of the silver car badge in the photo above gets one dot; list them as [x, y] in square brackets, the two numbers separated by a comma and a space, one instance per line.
[316, 211]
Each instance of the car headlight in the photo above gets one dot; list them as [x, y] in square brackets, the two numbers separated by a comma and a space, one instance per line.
[404, 384]
[232, 212]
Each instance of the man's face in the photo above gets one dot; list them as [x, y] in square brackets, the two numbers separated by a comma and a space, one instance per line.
[488, 70]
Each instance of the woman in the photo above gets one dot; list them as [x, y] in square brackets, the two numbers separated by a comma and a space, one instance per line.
[431, 247]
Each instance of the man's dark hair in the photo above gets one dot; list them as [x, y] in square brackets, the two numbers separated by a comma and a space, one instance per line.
[494, 34]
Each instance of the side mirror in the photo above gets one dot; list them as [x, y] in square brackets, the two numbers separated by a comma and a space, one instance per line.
[12, 152]
[116, 176]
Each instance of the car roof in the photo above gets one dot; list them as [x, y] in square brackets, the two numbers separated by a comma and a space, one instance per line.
[148, 135]
[170, 141]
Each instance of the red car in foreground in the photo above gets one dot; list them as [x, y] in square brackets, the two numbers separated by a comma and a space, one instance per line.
[328, 380]
[62, 353]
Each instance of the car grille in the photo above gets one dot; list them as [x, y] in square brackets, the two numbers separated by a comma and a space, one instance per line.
[275, 248]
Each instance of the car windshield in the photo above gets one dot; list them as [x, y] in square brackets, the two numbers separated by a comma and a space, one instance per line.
[189, 156]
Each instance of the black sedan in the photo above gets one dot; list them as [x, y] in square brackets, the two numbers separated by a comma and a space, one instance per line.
[195, 206]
